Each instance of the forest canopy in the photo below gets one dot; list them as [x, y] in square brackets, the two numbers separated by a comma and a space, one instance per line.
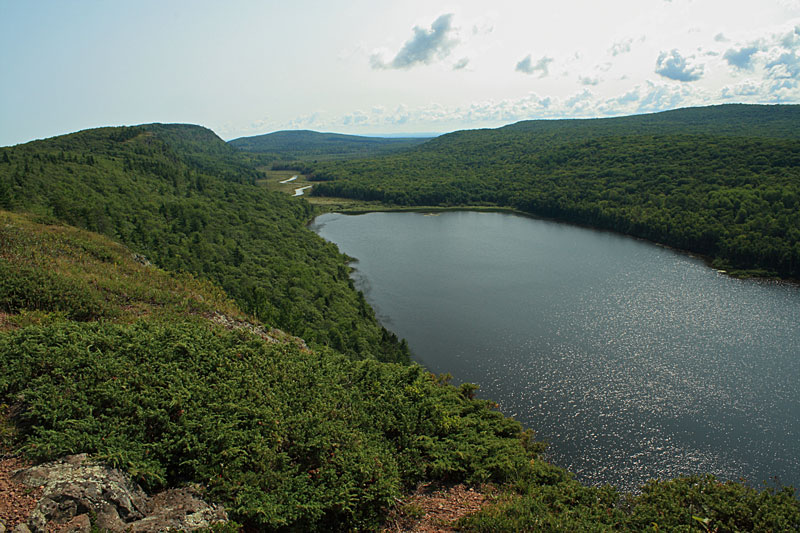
[721, 181]
[182, 197]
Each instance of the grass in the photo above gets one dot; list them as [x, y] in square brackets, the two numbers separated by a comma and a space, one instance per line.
[273, 179]
[52, 272]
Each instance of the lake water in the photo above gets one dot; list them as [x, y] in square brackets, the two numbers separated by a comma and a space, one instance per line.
[633, 361]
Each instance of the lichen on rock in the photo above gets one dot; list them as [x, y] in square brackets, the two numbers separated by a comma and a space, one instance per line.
[78, 492]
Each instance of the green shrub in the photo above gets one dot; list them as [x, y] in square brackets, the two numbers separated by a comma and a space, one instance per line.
[682, 504]
[282, 436]
[34, 289]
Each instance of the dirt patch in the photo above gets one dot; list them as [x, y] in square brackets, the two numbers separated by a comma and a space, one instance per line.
[6, 322]
[16, 500]
[436, 508]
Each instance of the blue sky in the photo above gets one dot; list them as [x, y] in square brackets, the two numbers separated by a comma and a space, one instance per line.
[250, 67]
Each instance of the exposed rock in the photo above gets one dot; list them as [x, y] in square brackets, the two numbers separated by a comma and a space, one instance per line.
[271, 335]
[139, 258]
[180, 509]
[2, 528]
[75, 488]
[21, 528]
[79, 524]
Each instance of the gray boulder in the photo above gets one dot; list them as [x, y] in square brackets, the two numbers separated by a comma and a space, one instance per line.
[77, 488]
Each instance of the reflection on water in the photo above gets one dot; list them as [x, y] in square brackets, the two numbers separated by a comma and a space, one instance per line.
[633, 361]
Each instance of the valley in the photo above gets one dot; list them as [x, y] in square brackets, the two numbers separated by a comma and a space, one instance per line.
[165, 308]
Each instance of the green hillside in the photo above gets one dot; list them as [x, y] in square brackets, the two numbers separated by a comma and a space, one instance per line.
[739, 120]
[174, 371]
[182, 197]
[304, 145]
[161, 375]
[722, 181]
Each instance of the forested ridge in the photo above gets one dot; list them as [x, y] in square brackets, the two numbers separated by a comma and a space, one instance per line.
[184, 198]
[173, 371]
[160, 374]
[721, 181]
[313, 145]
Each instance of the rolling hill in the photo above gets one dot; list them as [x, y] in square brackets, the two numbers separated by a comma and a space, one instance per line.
[181, 196]
[307, 145]
[721, 181]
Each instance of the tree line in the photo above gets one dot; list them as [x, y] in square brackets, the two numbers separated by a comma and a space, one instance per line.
[733, 197]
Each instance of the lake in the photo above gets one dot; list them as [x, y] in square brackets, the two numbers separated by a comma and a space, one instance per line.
[632, 360]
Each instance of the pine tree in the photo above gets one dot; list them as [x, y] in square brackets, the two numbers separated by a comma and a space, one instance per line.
[5, 194]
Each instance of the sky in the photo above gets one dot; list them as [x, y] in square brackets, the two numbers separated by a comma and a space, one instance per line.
[382, 67]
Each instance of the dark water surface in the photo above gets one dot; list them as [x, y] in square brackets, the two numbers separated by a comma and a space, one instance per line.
[632, 360]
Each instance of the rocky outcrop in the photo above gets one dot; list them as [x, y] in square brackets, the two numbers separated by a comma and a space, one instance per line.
[142, 260]
[270, 335]
[78, 493]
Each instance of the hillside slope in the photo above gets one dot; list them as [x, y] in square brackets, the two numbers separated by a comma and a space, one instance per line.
[311, 145]
[160, 375]
[721, 181]
[182, 197]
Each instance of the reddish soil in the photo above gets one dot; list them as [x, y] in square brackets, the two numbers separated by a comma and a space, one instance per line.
[436, 509]
[5, 322]
[16, 500]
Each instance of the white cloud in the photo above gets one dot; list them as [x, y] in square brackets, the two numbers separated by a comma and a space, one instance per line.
[619, 105]
[660, 97]
[398, 117]
[744, 89]
[483, 27]
[258, 125]
[791, 39]
[356, 118]
[775, 58]
[741, 58]
[311, 120]
[741, 65]
[579, 103]
[644, 98]
[674, 66]
[620, 47]
[527, 66]
[461, 63]
[423, 47]
[784, 73]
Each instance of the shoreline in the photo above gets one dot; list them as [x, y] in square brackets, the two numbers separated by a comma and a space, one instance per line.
[750, 275]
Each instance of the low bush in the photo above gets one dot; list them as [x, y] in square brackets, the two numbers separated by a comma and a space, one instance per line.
[280, 435]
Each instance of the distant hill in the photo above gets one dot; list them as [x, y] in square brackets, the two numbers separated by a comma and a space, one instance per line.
[739, 120]
[730, 120]
[309, 145]
[723, 181]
